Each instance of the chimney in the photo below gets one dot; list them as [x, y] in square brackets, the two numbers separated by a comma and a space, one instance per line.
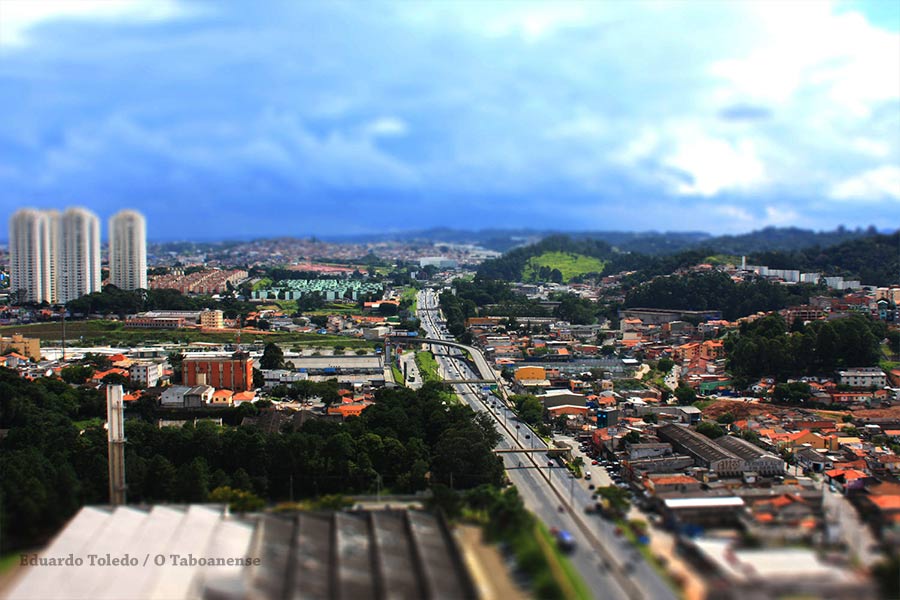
[116, 436]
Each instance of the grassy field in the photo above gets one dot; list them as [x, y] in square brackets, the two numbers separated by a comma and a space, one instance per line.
[569, 265]
[428, 367]
[98, 333]
[262, 284]
[411, 295]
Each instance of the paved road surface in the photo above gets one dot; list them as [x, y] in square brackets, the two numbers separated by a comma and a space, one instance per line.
[545, 490]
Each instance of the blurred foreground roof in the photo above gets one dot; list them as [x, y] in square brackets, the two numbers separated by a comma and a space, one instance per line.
[361, 554]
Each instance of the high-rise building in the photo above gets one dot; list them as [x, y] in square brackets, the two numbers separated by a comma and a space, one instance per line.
[128, 250]
[32, 255]
[79, 254]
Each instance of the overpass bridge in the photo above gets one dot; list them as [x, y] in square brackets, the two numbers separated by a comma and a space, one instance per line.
[486, 374]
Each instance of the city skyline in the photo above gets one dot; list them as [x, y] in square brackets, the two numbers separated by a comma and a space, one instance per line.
[738, 116]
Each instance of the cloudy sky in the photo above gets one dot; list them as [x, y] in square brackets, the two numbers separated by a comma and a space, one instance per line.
[226, 119]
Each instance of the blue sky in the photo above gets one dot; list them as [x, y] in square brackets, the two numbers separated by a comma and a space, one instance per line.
[227, 119]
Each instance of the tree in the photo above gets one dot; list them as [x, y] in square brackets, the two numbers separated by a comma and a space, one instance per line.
[632, 437]
[238, 500]
[685, 394]
[665, 365]
[116, 379]
[176, 360]
[710, 429]
[76, 374]
[272, 357]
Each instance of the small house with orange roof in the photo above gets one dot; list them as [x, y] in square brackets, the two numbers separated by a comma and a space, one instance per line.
[222, 399]
[846, 479]
[240, 397]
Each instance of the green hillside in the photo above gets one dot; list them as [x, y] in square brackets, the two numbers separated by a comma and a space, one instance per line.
[569, 264]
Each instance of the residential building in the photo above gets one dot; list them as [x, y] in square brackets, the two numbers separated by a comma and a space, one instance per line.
[128, 250]
[33, 256]
[145, 374]
[79, 254]
[864, 377]
[233, 372]
[30, 347]
[212, 319]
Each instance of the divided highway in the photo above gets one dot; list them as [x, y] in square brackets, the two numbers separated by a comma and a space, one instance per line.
[609, 565]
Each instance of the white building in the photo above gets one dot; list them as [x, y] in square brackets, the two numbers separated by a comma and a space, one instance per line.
[864, 377]
[79, 254]
[173, 396]
[128, 250]
[145, 374]
[32, 255]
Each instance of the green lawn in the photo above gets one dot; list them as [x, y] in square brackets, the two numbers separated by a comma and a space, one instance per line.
[568, 264]
[428, 367]
[262, 284]
[411, 295]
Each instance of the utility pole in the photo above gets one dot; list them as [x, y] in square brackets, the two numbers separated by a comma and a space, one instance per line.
[64, 332]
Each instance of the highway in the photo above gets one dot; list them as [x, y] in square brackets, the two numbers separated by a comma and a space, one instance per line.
[609, 565]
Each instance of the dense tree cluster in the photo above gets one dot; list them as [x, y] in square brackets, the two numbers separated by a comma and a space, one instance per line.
[49, 466]
[716, 291]
[485, 297]
[766, 348]
[112, 300]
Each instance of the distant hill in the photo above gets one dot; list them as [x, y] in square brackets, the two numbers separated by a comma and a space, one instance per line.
[871, 257]
[651, 243]
[874, 259]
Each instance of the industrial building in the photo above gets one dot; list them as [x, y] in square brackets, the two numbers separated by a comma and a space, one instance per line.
[234, 372]
[703, 450]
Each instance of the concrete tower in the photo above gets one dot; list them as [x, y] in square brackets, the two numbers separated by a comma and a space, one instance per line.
[116, 435]
[128, 250]
[79, 254]
[33, 257]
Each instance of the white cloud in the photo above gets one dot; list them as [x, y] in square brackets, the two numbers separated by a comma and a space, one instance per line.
[716, 165]
[387, 127]
[17, 17]
[873, 185]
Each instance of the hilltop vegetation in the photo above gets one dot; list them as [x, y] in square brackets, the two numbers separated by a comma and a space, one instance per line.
[538, 261]
[716, 291]
[874, 259]
[560, 266]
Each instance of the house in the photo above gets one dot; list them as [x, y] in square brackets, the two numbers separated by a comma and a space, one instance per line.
[786, 510]
[663, 483]
[846, 479]
[812, 460]
[222, 398]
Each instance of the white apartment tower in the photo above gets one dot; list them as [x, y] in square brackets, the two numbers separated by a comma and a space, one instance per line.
[79, 254]
[33, 256]
[128, 250]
